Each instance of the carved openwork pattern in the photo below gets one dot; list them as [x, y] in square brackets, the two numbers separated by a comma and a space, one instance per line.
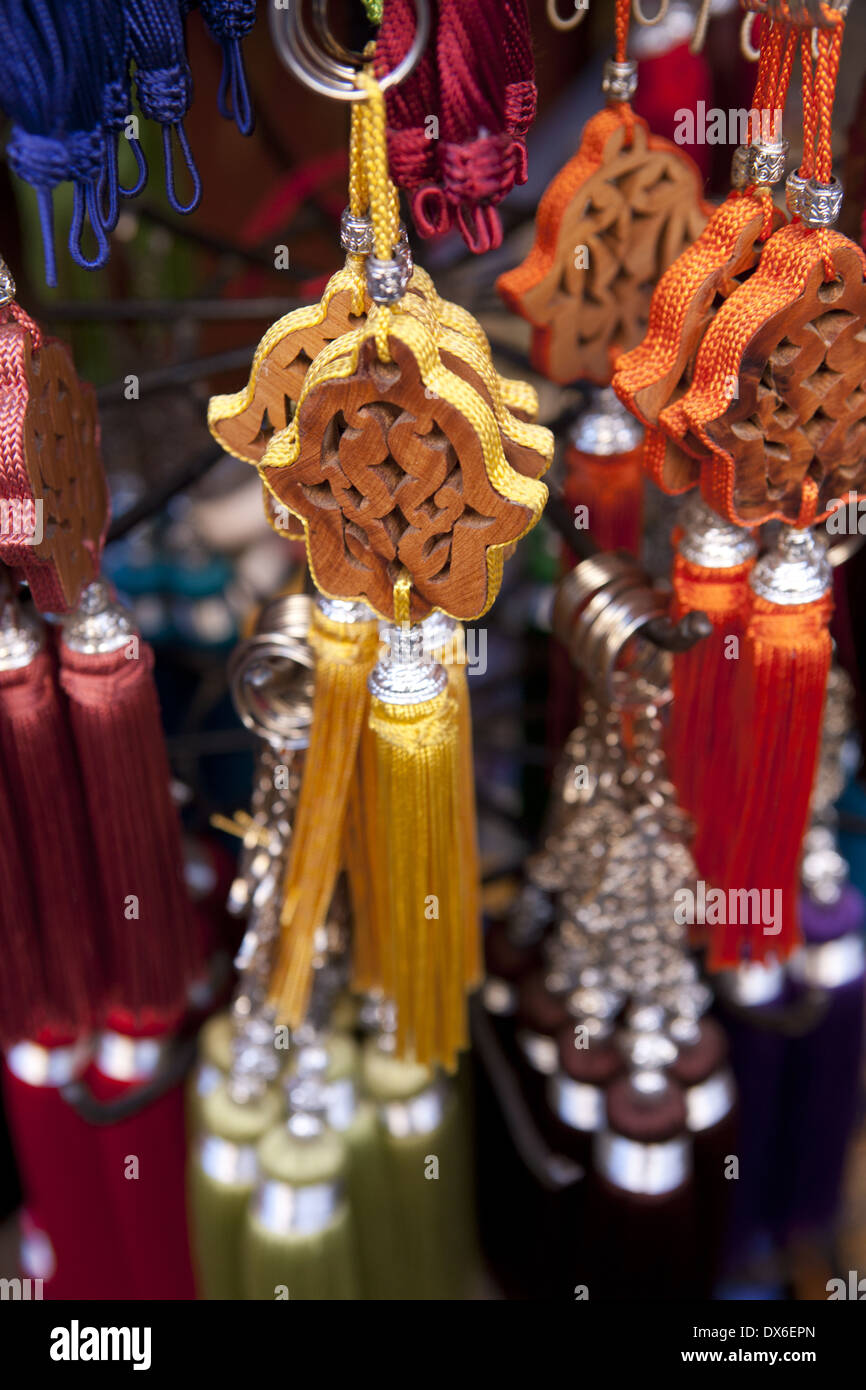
[52, 470]
[800, 412]
[611, 242]
[389, 477]
[245, 423]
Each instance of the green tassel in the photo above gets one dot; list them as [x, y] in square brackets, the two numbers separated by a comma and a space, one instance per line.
[428, 1249]
[311, 1256]
[354, 1118]
[221, 1177]
[214, 1063]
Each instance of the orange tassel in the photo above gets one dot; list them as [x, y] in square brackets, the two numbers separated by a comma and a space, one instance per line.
[711, 571]
[777, 718]
[604, 473]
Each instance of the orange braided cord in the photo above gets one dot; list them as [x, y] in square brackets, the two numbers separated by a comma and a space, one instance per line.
[645, 377]
[777, 353]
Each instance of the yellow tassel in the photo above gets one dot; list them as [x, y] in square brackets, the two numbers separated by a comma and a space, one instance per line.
[345, 653]
[368, 893]
[452, 655]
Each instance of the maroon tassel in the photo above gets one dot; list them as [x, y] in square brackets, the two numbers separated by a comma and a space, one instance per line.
[22, 987]
[106, 671]
[68, 1239]
[44, 785]
[142, 1160]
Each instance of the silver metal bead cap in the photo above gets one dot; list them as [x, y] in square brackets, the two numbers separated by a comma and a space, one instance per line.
[438, 632]
[605, 427]
[403, 254]
[765, 161]
[341, 610]
[710, 541]
[794, 185]
[821, 203]
[99, 624]
[619, 80]
[356, 233]
[21, 637]
[403, 676]
[797, 571]
[739, 167]
[307, 1106]
[7, 284]
[386, 282]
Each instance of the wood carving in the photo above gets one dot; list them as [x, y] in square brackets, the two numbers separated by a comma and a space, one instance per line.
[609, 225]
[244, 422]
[54, 498]
[652, 378]
[398, 467]
[792, 441]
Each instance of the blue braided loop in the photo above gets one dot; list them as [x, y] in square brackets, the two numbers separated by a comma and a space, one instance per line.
[53, 67]
[163, 81]
[230, 21]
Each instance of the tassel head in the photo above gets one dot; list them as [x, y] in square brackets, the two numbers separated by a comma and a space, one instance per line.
[99, 624]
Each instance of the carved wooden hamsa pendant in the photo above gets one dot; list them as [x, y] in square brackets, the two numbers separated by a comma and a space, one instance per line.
[607, 228]
[652, 378]
[398, 467]
[790, 441]
[55, 501]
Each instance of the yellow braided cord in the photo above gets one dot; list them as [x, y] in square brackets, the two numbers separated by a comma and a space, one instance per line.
[382, 205]
[516, 395]
[226, 407]
[535, 437]
[358, 194]
[402, 598]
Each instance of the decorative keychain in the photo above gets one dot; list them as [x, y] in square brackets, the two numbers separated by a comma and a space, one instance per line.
[652, 377]
[610, 223]
[784, 445]
[402, 423]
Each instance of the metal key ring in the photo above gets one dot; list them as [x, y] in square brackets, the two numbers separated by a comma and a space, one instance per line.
[585, 580]
[330, 43]
[604, 639]
[590, 614]
[283, 717]
[255, 667]
[323, 73]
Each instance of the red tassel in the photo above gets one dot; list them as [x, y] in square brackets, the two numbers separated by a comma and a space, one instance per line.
[777, 718]
[23, 1005]
[44, 782]
[611, 489]
[142, 1161]
[67, 1235]
[114, 710]
[710, 575]
[604, 474]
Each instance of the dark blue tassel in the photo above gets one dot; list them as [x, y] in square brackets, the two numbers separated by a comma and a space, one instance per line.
[163, 81]
[230, 21]
[52, 74]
